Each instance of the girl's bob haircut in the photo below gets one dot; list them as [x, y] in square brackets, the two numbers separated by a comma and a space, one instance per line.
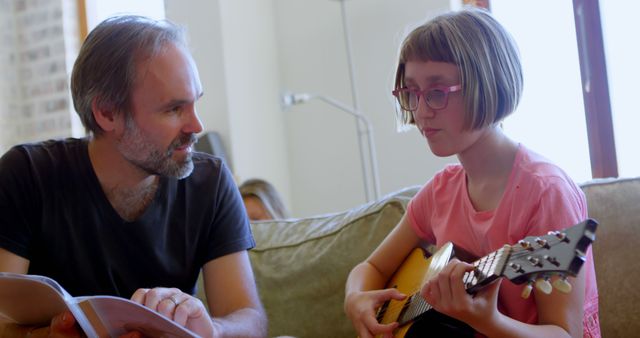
[485, 53]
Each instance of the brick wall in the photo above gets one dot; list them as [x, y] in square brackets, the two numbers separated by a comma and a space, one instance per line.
[39, 41]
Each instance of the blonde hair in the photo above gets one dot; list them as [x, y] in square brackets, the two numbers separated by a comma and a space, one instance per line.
[485, 53]
[267, 194]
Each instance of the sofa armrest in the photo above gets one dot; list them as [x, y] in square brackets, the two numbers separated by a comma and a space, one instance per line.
[613, 203]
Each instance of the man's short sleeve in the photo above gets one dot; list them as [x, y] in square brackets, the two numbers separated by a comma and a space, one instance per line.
[18, 202]
[230, 225]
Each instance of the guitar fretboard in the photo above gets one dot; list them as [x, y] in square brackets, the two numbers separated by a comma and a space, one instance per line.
[487, 269]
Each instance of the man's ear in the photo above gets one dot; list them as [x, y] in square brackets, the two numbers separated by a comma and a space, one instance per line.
[105, 117]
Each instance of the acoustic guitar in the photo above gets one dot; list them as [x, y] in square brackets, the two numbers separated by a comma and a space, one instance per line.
[532, 261]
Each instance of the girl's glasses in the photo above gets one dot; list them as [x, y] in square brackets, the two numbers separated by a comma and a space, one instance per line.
[435, 97]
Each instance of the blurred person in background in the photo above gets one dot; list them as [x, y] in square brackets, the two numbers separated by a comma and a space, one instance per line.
[262, 200]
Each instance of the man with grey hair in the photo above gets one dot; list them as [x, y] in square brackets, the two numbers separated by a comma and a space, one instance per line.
[131, 210]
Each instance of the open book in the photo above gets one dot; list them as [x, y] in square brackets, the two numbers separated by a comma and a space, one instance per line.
[35, 300]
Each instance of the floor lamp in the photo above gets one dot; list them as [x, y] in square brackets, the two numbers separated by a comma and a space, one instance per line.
[372, 185]
[363, 123]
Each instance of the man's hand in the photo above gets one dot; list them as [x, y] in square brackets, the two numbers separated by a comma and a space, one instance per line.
[178, 306]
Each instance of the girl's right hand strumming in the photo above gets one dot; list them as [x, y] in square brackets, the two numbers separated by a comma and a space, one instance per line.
[361, 309]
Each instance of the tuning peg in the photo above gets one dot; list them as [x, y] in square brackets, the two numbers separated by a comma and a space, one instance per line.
[560, 235]
[535, 261]
[516, 267]
[552, 260]
[526, 245]
[543, 285]
[562, 285]
[542, 242]
[526, 291]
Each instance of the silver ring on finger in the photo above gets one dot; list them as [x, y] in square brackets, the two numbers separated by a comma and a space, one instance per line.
[174, 300]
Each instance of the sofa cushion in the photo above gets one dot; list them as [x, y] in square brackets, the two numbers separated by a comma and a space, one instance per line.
[613, 203]
[301, 265]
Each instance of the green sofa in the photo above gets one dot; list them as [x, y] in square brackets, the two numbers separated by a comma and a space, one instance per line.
[301, 265]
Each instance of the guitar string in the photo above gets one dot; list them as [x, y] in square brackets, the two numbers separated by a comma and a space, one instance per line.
[414, 294]
[517, 252]
[486, 265]
[425, 306]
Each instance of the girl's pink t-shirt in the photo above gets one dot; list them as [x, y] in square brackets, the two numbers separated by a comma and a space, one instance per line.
[539, 197]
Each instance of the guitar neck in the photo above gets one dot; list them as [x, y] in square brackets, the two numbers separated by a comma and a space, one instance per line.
[534, 258]
[487, 269]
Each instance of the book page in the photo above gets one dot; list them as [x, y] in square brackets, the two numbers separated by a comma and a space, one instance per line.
[114, 316]
[30, 299]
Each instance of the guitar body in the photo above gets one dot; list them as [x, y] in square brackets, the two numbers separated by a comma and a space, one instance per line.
[407, 279]
[416, 269]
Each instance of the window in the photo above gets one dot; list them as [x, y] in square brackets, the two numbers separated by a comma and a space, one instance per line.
[621, 52]
[99, 10]
[551, 117]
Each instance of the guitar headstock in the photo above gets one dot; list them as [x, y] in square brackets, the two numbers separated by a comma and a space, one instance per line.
[537, 258]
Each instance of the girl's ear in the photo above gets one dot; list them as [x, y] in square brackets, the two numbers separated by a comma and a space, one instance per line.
[106, 118]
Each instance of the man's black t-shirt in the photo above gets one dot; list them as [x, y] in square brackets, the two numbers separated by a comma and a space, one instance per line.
[54, 213]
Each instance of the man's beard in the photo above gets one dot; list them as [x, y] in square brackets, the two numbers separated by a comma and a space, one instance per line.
[136, 148]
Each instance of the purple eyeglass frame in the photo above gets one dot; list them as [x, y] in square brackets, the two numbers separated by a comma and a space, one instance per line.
[446, 90]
